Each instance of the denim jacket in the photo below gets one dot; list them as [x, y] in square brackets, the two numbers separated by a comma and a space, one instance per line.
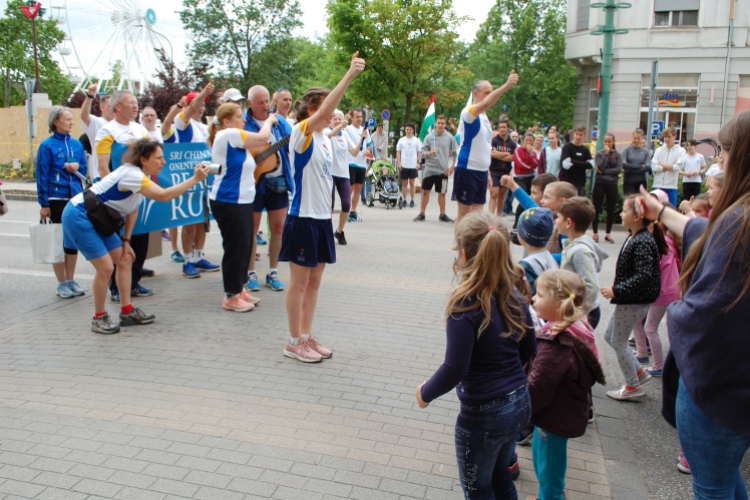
[52, 180]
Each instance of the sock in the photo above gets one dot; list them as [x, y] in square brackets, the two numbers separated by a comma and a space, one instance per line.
[306, 336]
[197, 255]
[294, 341]
[631, 387]
[99, 315]
[251, 275]
[272, 271]
[127, 309]
[188, 257]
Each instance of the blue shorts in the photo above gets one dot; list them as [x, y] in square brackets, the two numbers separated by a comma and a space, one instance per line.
[79, 233]
[469, 186]
[270, 201]
[307, 242]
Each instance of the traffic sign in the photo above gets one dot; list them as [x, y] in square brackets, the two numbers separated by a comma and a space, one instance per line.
[657, 128]
[371, 122]
[505, 107]
[385, 115]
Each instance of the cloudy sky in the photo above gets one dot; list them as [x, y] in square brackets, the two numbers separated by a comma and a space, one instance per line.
[89, 22]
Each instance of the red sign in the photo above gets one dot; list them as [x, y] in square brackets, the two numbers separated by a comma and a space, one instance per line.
[31, 10]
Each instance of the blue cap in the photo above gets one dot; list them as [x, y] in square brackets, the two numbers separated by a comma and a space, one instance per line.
[535, 226]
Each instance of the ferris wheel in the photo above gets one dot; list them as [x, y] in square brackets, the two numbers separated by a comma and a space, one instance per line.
[114, 42]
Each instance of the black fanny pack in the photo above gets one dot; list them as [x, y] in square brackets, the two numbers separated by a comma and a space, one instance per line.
[276, 184]
[105, 219]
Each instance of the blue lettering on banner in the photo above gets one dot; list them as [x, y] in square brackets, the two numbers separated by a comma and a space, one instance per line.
[187, 208]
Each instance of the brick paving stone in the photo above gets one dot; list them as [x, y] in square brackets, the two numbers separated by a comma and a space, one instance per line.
[202, 404]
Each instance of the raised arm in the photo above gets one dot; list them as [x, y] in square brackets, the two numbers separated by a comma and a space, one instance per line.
[334, 98]
[156, 192]
[166, 125]
[491, 99]
[195, 104]
[86, 106]
[652, 208]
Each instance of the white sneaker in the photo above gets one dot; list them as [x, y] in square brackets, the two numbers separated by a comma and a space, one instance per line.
[624, 393]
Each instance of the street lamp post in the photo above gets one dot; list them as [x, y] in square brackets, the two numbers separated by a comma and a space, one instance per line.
[32, 10]
[608, 31]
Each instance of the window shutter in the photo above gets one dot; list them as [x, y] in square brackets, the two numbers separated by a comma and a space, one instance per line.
[671, 5]
[584, 8]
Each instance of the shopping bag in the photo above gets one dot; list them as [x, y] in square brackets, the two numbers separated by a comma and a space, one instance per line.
[3, 203]
[47, 242]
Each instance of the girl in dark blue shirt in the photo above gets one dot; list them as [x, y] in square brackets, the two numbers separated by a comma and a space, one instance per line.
[489, 338]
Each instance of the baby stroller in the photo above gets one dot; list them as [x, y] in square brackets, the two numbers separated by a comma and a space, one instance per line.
[390, 199]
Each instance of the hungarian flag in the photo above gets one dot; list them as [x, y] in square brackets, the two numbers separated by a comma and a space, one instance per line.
[429, 120]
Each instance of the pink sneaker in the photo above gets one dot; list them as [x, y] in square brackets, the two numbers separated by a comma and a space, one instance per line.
[324, 352]
[236, 304]
[302, 352]
[245, 295]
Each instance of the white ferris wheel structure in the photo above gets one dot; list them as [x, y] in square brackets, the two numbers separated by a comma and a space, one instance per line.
[105, 34]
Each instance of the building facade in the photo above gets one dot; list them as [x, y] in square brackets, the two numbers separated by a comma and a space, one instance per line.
[690, 40]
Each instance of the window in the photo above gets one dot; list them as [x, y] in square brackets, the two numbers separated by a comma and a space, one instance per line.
[676, 13]
[582, 21]
[676, 18]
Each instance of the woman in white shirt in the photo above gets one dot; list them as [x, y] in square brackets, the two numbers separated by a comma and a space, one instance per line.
[307, 241]
[122, 191]
[232, 196]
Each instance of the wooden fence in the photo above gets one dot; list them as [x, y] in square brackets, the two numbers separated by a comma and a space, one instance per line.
[14, 132]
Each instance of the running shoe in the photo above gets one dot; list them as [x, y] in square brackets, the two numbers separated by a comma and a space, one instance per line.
[272, 282]
[140, 291]
[245, 295]
[625, 392]
[631, 342]
[592, 417]
[236, 304]
[595, 237]
[411, 204]
[104, 325]
[259, 240]
[340, 237]
[654, 372]
[177, 257]
[513, 467]
[136, 317]
[252, 282]
[643, 376]
[301, 352]
[114, 296]
[404, 204]
[445, 218]
[205, 266]
[420, 217]
[608, 238]
[324, 352]
[165, 235]
[64, 291]
[525, 436]
[147, 273]
[76, 288]
[352, 216]
[189, 271]
[682, 464]
[643, 361]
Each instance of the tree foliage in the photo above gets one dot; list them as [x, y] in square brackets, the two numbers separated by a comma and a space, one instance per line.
[17, 55]
[409, 46]
[529, 37]
[245, 40]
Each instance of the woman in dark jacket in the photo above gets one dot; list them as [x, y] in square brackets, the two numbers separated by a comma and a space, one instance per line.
[58, 160]
[708, 328]
[608, 167]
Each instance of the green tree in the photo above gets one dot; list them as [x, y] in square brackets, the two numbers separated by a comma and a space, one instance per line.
[17, 55]
[246, 40]
[529, 37]
[408, 46]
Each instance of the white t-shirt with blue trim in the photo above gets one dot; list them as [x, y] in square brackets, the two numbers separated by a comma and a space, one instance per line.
[312, 159]
[191, 131]
[236, 184]
[476, 141]
[120, 189]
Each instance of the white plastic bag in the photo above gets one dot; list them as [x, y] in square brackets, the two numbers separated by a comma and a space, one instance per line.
[47, 243]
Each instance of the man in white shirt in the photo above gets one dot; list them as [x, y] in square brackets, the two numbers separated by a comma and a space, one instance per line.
[92, 123]
[148, 117]
[409, 159]
[692, 169]
[471, 175]
[359, 147]
[123, 130]
[666, 165]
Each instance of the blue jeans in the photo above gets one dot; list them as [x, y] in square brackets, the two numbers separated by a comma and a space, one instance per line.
[365, 189]
[508, 203]
[485, 439]
[713, 452]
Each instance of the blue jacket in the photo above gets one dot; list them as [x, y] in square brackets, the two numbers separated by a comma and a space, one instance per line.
[280, 130]
[52, 180]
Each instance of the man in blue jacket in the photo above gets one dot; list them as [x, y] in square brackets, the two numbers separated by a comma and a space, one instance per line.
[58, 159]
[272, 191]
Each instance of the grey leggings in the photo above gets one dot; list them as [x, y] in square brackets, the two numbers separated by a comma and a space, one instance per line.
[620, 324]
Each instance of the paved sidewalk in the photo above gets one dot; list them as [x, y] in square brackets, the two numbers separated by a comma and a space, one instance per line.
[202, 404]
